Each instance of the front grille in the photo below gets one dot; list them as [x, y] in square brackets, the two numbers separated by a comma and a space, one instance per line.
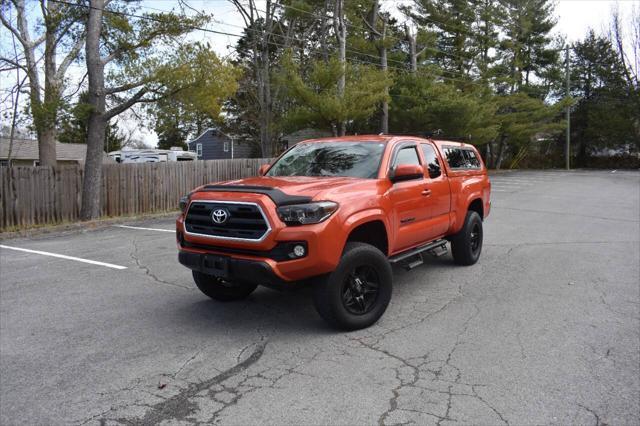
[245, 221]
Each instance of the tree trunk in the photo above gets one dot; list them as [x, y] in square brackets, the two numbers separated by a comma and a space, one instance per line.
[341, 35]
[265, 119]
[413, 56]
[488, 156]
[49, 109]
[325, 29]
[47, 146]
[97, 122]
[501, 145]
[384, 120]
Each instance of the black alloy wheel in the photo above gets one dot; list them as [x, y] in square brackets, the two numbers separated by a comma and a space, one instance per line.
[360, 290]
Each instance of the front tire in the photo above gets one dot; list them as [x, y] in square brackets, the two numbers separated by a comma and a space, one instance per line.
[222, 290]
[357, 293]
[466, 245]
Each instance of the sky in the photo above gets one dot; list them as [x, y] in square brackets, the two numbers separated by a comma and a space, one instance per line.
[574, 18]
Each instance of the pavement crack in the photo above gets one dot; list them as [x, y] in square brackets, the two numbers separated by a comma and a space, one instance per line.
[594, 414]
[179, 406]
[147, 271]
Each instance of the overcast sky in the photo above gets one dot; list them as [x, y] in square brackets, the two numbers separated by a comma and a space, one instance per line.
[574, 17]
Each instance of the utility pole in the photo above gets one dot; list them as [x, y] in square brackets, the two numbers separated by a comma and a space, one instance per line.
[567, 147]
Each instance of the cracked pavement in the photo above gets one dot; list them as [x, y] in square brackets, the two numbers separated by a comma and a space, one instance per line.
[545, 329]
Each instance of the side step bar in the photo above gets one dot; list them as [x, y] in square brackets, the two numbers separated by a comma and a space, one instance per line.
[438, 246]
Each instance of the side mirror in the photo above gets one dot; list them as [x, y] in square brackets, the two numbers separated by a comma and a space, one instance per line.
[263, 169]
[404, 172]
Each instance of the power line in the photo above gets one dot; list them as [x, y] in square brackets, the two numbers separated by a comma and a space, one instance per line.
[208, 30]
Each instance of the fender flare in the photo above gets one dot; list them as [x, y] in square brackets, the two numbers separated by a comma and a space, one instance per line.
[364, 216]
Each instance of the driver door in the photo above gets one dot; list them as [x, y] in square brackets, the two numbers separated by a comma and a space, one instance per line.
[409, 204]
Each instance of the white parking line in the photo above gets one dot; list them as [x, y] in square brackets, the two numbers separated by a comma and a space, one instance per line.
[146, 229]
[62, 256]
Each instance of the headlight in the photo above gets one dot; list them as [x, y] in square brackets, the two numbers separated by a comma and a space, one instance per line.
[184, 203]
[303, 214]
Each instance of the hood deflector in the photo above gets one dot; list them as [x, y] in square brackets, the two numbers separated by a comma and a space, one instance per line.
[277, 196]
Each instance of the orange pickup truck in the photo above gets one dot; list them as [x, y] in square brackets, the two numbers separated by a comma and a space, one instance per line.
[337, 212]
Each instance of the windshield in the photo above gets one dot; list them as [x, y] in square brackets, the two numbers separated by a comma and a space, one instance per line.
[352, 159]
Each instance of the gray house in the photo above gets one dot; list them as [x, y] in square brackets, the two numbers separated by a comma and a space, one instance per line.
[213, 144]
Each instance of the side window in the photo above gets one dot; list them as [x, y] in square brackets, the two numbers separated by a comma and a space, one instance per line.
[199, 149]
[455, 158]
[226, 146]
[431, 160]
[472, 160]
[407, 155]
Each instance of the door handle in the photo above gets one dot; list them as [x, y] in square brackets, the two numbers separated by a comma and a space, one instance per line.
[426, 192]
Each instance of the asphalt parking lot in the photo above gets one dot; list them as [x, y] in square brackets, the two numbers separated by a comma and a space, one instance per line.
[545, 329]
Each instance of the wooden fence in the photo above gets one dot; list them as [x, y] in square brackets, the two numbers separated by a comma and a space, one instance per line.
[47, 195]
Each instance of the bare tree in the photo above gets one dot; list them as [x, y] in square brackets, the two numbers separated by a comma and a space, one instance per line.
[629, 57]
[380, 37]
[137, 82]
[261, 24]
[60, 23]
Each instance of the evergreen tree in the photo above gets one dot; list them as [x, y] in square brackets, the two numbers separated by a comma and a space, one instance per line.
[317, 101]
[526, 51]
[604, 114]
[421, 104]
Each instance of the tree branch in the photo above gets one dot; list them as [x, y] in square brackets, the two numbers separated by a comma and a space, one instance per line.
[15, 32]
[14, 64]
[120, 50]
[119, 109]
[71, 56]
[124, 87]
[373, 30]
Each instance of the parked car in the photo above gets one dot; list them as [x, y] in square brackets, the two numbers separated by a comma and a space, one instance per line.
[152, 155]
[337, 212]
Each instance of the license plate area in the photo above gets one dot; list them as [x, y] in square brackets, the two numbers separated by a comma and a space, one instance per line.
[215, 265]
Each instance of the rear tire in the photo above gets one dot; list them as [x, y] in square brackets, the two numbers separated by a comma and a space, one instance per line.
[466, 245]
[222, 290]
[357, 293]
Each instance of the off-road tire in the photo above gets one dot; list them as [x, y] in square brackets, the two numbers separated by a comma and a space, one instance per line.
[370, 266]
[222, 290]
[466, 245]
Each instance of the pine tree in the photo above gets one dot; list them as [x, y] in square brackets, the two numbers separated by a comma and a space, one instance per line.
[604, 114]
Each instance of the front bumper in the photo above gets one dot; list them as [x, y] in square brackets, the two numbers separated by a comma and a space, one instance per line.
[251, 271]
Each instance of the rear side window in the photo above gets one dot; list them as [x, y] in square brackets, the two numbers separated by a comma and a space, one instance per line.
[407, 155]
[472, 160]
[455, 158]
[461, 158]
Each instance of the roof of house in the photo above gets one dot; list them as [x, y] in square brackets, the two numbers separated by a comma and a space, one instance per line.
[27, 149]
[210, 131]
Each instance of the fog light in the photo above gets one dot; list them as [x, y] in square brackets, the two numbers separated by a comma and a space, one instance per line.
[298, 250]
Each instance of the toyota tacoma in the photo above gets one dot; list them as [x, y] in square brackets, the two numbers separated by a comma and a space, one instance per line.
[337, 212]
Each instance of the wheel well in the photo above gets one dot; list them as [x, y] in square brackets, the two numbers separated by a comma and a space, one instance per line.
[373, 233]
[476, 206]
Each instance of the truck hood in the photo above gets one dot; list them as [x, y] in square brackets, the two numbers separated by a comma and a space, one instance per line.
[318, 188]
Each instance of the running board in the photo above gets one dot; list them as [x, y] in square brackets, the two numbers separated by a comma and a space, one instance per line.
[439, 247]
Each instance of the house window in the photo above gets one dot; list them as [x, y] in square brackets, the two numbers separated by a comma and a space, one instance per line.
[199, 150]
[4, 163]
[226, 146]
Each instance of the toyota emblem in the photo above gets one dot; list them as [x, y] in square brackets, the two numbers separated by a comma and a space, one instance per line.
[220, 216]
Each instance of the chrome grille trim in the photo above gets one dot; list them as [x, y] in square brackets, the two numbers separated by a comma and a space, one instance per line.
[217, 237]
